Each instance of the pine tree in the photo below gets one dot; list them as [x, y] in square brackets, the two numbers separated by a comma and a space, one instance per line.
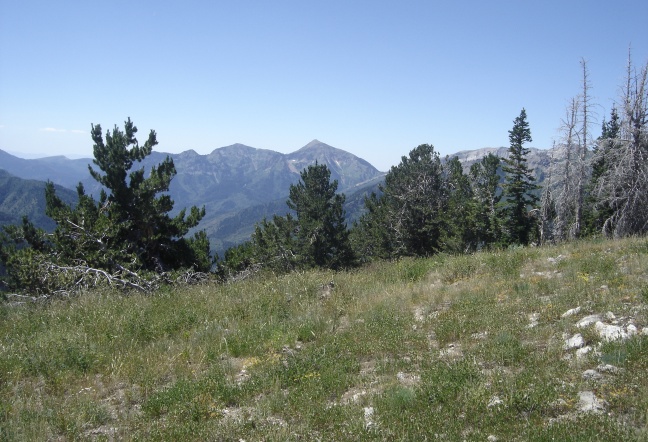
[459, 233]
[407, 219]
[322, 235]
[127, 230]
[485, 183]
[520, 185]
[598, 211]
[135, 205]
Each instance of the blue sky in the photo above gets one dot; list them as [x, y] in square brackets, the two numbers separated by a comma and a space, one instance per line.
[375, 78]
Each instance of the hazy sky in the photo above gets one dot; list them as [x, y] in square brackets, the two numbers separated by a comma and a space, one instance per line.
[375, 78]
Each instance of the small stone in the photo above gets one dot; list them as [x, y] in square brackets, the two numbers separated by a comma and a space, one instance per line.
[644, 331]
[631, 329]
[610, 332]
[494, 402]
[453, 351]
[610, 316]
[556, 260]
[571, 312]
[559, 403]
[607, 368]
[575, 341]
[479, 335]
[492, 438]
[589, 403]
[533, 320]
[592, 375]
[407, 378]
[368, 417]
[588, 320]
[582, 352]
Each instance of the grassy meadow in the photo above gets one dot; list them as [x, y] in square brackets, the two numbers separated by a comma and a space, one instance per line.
[447, 348]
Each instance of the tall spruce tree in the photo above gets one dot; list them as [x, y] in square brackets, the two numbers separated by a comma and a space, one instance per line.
[519, 196]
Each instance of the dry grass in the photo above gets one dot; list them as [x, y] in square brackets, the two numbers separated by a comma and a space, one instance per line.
[411, 350]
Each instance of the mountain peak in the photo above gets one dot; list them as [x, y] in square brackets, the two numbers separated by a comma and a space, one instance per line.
[315, 144]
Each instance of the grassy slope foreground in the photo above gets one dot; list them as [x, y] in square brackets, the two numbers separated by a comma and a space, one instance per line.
[494, 346]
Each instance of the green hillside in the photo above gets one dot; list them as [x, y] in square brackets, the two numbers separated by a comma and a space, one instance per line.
[19, 197]
[533, 344]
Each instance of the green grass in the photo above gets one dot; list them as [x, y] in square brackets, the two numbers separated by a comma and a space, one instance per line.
[411, 350]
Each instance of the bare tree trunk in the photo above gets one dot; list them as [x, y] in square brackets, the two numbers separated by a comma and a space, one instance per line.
[566, 182]
[582, 154]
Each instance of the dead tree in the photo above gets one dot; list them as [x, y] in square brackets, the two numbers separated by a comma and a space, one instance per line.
[624, 186]
[571, 174]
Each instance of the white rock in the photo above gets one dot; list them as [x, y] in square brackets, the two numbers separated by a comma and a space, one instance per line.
[494, 402]
[575, 341]
[582, 352]
[610, 332]
[644, 331]
[587, 320]
[631, 329]
[533, 320]
[492, 438]
[592, 375]
[571, 312]
[610, 316]
[556, 260]
[407, 378]
[607, 368]
[589, 403]
[368, 417]
[479, 335]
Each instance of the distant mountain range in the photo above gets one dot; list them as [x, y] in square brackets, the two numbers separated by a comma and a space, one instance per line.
[19, 197]
[237, 184]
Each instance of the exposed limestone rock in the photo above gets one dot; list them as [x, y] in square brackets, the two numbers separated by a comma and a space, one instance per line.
[588, 320]
[582, 352]
[610, 316]
[610, 332]
[575, 341]
[494, 402]
[480, 335]
[452, 351]
[607, 368]
[589, 403]
[571, 312]
[368, 417]
[353, 396]
[592, 375]
[408, 379]
[556, 260]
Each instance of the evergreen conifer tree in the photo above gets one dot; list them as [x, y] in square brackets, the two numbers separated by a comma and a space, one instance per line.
[127, 230]
[485, 183]
[322, 235]
[408, 218]
[520, 185]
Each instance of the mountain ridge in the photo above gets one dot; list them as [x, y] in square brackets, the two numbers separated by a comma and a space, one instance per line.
[242, 184]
